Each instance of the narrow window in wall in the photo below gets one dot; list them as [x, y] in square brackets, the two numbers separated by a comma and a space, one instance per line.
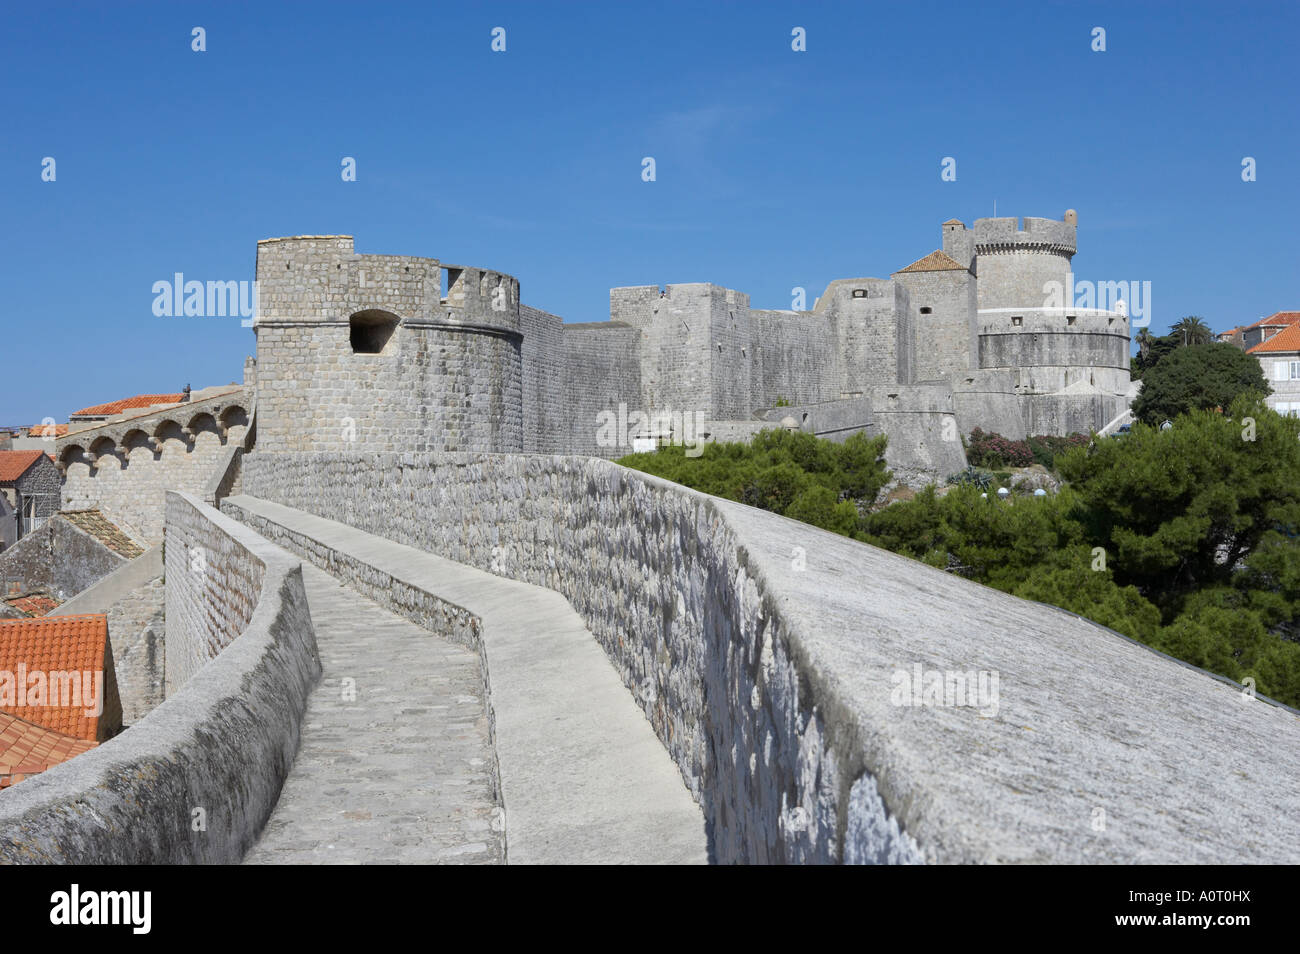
[371, 331]
[1295, 369]
[926, 310]
[1018, 320]
[859, 293]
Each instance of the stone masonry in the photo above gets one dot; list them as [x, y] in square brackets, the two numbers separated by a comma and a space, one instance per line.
[381, 353]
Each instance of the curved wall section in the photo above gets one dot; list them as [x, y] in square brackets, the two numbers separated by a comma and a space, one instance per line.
[197, 778]
[767, 656]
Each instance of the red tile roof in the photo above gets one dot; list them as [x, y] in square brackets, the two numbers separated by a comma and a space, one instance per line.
[127, 404]
[47, 430]
[1277, 318]
[27, 748]
[936, 261]
[35, 605]
[58, 644]
[1288, 339]
[13, 464]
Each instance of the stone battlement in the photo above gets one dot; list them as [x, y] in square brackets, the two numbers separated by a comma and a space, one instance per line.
[992, 235]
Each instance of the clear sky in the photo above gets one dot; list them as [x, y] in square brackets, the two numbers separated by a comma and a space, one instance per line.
[775, 168]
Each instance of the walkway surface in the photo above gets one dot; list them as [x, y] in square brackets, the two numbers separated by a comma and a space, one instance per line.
[583, 777]
[395, 762]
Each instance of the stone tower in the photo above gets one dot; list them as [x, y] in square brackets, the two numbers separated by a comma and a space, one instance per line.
[365, 353]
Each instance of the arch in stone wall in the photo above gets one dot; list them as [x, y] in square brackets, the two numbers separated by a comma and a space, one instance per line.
[136, 445]
[233, 423]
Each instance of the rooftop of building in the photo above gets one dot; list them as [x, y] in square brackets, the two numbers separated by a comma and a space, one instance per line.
[936, 261]
[57, 644]
[28, 749]
[15, 463]
[94, 522]
[1288, 339]
[128, 404]
[1277, 319]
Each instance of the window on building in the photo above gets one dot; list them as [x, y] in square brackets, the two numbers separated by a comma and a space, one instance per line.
[926, 310]
[371, 331]
[1018, 320]
[1295, 369]
[859, 293]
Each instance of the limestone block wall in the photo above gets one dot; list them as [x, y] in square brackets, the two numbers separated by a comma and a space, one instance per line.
[874, 332]
[946, 329]
[731, 357]
[924, 434]
[795, 358]
[543, 362]
[219, 749]
[58, 557]
[137, 632]
[213, 586]
[676, 329]
[601, 369]
[1014, 263]
[41, 481]
[774, 686]
[665, 584]
[439, 373]
[128, 482]
[431, 388]
[990, 401]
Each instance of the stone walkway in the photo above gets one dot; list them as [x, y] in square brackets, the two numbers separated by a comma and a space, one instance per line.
[398, 771]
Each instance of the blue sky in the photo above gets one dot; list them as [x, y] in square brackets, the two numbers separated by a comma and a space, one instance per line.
[775, 169]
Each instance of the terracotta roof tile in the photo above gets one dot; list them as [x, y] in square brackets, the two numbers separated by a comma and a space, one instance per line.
[936, 261]
[1288, 339]
[104, 530]
[27, 748]
[33, 605]
[127, 404]
[1277, 318]
[13, 464]
[58, 644]
[47, 430]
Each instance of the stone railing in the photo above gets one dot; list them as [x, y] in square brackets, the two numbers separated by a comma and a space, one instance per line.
[791, 674]
[197, 778]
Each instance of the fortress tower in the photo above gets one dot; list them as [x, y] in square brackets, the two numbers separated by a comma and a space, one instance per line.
[1068, 365]
[366, 353]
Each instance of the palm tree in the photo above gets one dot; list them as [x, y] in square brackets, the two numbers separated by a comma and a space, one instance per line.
[1144, 340]
[1193, 330]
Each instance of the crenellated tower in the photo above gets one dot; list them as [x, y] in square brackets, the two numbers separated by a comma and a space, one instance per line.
[367, 352]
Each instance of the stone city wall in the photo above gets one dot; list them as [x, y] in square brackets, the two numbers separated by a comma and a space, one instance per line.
[197, 778]
[766, 654]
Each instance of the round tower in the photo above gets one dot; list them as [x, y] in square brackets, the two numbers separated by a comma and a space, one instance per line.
[366, 353]
[1067, 361]
[1016, 265]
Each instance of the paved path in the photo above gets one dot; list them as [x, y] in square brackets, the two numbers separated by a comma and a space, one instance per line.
[401, 772]
[584, 777]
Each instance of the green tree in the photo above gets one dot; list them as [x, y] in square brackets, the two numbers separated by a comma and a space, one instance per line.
[1192, 330]
[1196, 377]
